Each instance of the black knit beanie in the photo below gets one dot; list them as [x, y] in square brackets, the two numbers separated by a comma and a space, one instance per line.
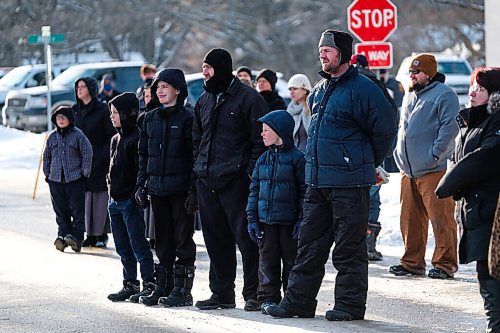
[269, 75]
[222, 63]
[340, 40]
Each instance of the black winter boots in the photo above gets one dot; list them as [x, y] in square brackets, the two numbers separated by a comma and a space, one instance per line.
[183, 283]
[129, 288]
[164, 286]
[371, 241]
[490, 291]
[147, 289]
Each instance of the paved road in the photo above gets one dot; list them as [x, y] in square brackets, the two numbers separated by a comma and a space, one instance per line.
[43, 290]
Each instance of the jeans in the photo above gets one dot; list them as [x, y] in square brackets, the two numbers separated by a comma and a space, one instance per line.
[374, 212]
[127, 225]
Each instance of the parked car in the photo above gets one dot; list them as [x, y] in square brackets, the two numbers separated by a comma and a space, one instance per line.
[27, 108]
[456, 69]
[5, 70]
[195, 87]
[24, 77]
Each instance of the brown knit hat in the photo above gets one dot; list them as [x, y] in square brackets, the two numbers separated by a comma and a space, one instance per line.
[426, 63]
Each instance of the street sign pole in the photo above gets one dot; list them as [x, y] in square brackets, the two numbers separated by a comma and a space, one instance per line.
[48, 60]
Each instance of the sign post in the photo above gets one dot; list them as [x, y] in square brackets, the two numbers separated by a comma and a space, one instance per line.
[46, 38]
[48, 72]
[372, 22]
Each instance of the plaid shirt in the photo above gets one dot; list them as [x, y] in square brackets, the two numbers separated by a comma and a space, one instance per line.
[67, 157]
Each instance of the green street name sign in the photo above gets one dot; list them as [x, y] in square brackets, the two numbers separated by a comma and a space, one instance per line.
[37, 39]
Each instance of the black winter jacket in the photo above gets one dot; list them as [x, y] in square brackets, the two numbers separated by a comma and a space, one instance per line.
[226, 134]
[124, 163]
[474, 180]
[273, 100]
[93, 119]
[351, 132]
[277, 189]
[166, 151]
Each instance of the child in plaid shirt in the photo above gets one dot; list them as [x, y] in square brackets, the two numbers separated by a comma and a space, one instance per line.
[67, 161]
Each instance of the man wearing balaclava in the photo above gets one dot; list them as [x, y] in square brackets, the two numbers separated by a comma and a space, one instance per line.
[351, 132]
[226, 144]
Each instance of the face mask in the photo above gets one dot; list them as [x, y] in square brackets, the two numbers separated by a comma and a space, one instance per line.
[107, 87]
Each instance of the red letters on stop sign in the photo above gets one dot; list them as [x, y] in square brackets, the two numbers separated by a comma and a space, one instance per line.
[372, 20]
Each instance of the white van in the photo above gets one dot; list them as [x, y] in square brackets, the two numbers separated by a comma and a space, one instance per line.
[457, 71]
[23, 77]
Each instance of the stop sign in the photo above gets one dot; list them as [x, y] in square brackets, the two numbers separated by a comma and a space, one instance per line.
[372, 20]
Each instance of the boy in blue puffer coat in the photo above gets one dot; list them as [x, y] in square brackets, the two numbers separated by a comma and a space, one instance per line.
[274, 208]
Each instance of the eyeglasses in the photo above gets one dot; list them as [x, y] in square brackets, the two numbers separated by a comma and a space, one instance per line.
[476, 88]
[414, 71]
[61, 117]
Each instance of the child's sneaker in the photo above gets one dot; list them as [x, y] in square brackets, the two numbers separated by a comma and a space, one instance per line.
[60, 244]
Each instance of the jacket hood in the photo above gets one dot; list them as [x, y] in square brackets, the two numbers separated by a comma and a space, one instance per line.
[92, 86]
[175, 78]
[64, 110]
[282, 123]
[127, 105]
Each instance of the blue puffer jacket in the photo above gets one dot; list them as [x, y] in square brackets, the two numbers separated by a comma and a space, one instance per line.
[351, 132]
[278, 188]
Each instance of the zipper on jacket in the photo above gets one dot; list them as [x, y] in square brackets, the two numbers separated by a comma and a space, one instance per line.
[271, 183]
[322, 108]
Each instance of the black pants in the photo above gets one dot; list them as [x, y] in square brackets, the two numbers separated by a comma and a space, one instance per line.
[276, 246]
[331, 215]
[68, 201]
[174, 229]
[224, 224]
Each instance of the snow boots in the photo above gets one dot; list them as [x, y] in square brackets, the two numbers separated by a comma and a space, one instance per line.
[371, 241]
[164, 285]
[129, 288]
[183, 283]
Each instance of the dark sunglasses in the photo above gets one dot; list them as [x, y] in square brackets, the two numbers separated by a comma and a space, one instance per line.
[414, 71]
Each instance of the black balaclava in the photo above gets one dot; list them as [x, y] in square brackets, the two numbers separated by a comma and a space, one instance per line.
[222, 63]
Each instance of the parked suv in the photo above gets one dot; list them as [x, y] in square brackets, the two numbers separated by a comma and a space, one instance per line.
[27, 108]
[457, 71]
[23, 77]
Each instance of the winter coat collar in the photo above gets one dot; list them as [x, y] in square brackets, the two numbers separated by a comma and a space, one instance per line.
[351, 72]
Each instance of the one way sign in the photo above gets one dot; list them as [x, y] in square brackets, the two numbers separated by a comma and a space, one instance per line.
[379, 55]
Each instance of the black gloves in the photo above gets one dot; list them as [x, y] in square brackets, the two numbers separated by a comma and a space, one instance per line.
[254, 231]
[141, 197]
[191, 204]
